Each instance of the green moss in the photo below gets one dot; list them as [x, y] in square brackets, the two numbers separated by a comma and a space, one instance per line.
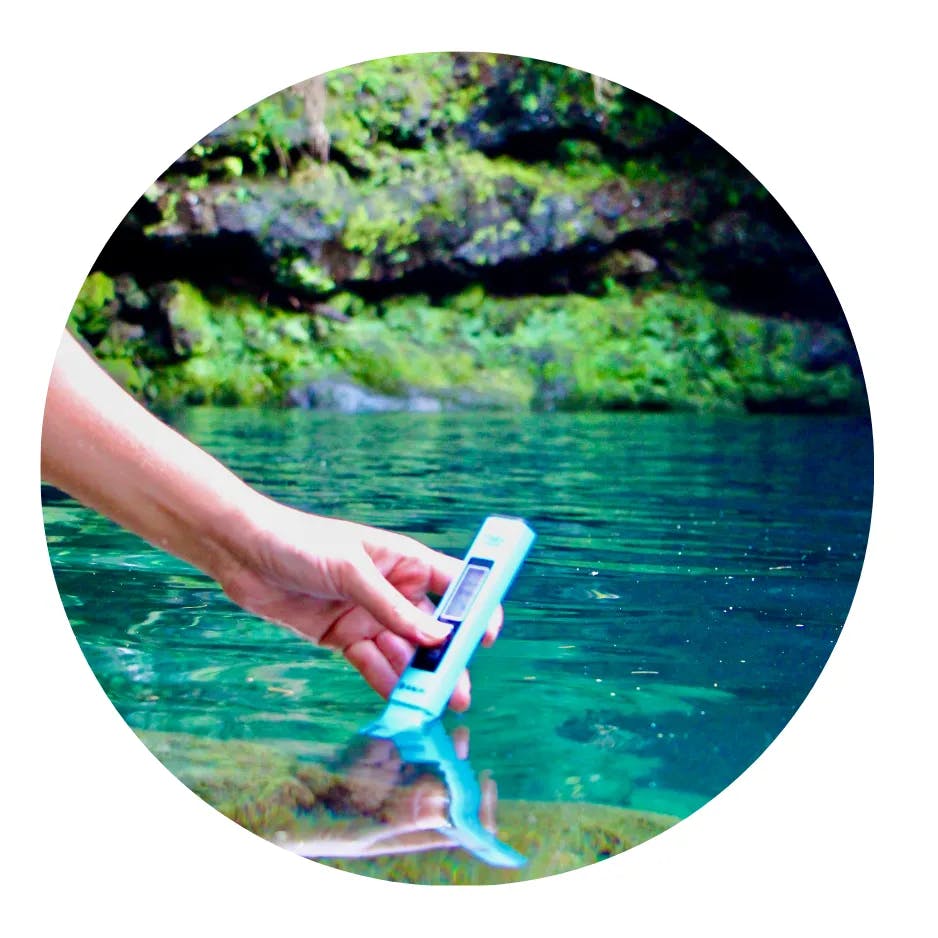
[767, 359]
[662, 350]
[94, 307]
[213, 380]
[393, 359]
[260, 136]
[302, 273]
[275, 796]
[192, 321]
[130, 375]
[230, 349]
[254, 785]
[554, 836]
[667, 351]
[372, 228]
[407, 101]
[404, 189]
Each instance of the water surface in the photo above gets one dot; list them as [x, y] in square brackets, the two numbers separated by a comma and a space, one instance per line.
[689, 581]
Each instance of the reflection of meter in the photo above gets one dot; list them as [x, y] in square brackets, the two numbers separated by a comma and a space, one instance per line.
[430, 745]
[490, 565]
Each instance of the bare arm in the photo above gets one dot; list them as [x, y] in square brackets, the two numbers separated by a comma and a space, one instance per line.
[360, 590]
[103, 448]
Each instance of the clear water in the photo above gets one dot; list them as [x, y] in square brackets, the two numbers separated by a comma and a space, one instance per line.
[690, 579]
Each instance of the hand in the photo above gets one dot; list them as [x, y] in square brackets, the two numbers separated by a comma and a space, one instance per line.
[360, 590]
[343, 585]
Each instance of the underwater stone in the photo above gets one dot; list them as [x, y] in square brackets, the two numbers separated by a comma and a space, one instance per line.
[277, 797]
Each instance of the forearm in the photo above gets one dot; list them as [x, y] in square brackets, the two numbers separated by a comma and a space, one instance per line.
[106, 450]
[360, 590]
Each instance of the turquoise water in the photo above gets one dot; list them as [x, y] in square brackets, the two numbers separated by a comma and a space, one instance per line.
[690, 579]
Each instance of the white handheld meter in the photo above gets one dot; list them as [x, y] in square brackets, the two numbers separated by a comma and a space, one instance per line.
[428, 682]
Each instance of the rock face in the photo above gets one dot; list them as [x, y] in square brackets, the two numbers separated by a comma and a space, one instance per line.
[503, 179]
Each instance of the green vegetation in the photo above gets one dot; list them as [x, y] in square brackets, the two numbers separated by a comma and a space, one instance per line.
[490, 231]
[94, 308]
[662, 350]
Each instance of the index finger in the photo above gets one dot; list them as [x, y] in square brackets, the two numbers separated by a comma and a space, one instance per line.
[442, 568]
[439, 568]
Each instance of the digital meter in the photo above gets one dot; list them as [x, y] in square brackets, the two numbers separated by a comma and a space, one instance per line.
[428, 682]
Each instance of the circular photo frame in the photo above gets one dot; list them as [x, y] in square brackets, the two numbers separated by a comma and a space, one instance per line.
[368, 313]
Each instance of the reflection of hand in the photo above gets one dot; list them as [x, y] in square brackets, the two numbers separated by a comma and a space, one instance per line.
[350, 587]
[400, 818]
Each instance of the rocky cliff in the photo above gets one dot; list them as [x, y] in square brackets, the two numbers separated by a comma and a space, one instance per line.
[465, 230]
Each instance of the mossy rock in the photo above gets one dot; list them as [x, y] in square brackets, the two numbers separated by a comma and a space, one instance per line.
[622, 349]
[417, 347]
[276, 796]
[230, 349]
[254, 785]
[95, 306]
[554, 837]
[455, 166]
[193, 324]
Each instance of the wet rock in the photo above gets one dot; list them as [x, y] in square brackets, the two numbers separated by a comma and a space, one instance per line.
[347, 397]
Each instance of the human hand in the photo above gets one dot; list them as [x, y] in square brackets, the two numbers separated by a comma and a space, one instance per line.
[362, 591]
[359, 590]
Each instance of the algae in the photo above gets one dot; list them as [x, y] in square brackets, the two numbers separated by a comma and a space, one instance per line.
[279, 797]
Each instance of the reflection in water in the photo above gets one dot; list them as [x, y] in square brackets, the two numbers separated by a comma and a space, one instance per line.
[691, 576]
[412, 791]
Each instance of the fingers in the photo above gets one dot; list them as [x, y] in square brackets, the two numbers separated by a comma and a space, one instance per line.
[441, 568]
[373, 665]
[381, 660]
[397, 650]
[462, 695]
[460, 737]
[489, 799]
[424, 804]
[493, 628]
[366, 585]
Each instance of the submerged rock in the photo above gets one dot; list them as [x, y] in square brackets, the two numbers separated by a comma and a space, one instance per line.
[278, 797]
[554, 836]
[598, 728]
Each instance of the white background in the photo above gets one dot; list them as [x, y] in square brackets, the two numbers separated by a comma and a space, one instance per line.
[832, 830]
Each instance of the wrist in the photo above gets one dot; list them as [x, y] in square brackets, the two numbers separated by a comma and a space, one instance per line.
[234, 528]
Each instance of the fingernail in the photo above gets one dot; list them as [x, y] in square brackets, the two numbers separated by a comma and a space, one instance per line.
[434, 630]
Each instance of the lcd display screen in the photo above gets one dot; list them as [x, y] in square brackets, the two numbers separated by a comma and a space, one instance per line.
[473, 576]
